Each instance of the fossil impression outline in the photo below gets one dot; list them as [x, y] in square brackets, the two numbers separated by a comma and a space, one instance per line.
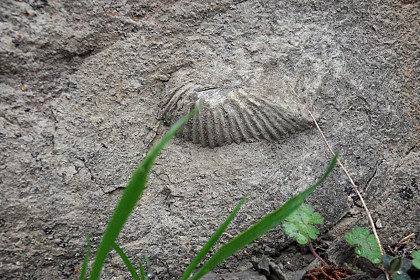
[229, 115]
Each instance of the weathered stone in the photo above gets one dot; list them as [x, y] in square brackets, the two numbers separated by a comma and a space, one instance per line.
[82, 91]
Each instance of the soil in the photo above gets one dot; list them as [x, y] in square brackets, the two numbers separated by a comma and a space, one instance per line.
[83, 86]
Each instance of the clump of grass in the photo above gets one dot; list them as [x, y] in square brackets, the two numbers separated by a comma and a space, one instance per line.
[260, 227]
[133, 193]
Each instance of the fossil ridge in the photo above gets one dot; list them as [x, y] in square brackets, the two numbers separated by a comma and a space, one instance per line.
[233, 114]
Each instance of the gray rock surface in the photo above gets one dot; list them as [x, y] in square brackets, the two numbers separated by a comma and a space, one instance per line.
[82, 90]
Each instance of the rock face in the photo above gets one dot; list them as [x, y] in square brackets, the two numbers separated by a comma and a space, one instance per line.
[88, 87]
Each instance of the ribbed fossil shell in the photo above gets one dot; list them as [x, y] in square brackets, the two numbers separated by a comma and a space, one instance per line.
[230, 115]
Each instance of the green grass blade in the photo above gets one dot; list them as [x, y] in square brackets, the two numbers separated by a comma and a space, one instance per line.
[213, 239]
[142, 274]
[126, 261]
[149, 270]
[261, 227]
[130, 196]
[86, 260]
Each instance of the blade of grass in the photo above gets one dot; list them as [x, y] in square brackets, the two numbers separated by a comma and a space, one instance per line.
[86, 260]
[209, 244]
[149, 270]
[126, 261]
[261, 227]
[130, 196]
[142, 274]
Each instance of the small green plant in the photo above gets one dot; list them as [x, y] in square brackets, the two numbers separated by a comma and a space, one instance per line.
[133, 193]
[365, 244]
[396, 267]
[300, 226]
[416, 258]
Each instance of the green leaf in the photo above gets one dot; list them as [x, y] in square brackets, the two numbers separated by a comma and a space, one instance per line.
[365, 244]
[126, 261]
[400, 276]
[387, 260]
[399, 267]
[86, 260]
[132, 193]
[210, 243]
[141, 269]
[299, 224]
[142, 274]
[416, 258]
[406, 264]
[261, 227]
[395, 264]
[149, 270]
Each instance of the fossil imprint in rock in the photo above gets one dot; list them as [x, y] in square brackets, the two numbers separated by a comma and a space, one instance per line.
[233, 114]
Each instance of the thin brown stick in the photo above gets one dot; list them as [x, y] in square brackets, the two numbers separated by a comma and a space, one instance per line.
[356, 190]
[324, 263]
[405, 239]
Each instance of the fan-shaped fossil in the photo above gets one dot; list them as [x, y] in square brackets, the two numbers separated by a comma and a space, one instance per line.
[230, 115]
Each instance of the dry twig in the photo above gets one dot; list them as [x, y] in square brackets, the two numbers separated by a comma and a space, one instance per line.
[408, 237]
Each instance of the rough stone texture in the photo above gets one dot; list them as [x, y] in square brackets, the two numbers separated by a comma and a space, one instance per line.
[82, 87]
[246, 275]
